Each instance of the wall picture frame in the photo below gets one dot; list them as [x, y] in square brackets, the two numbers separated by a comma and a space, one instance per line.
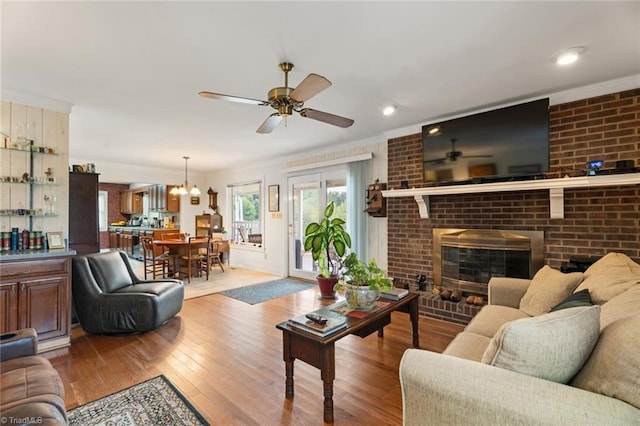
[195, 201]
[274, 198]
[55, 240]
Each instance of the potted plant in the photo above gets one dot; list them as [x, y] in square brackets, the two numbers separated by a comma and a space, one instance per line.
[362, 282]
[327, 241]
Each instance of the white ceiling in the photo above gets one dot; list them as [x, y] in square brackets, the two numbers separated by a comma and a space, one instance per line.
[133, 70]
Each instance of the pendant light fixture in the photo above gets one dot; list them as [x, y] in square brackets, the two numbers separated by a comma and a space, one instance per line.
[184, 189]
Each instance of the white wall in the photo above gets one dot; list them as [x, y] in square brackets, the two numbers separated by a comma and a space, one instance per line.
[273, 256]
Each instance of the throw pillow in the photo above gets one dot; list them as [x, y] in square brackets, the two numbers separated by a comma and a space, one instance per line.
[553, 346]
[548, 288]
[613, 368]
[610, 276]
[579, 298]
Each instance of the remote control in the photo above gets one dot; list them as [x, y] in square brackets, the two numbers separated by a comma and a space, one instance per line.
[317, 319]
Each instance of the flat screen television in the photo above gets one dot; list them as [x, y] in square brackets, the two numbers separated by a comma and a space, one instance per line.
[510, 142]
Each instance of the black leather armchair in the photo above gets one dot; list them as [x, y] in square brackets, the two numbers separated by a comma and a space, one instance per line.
[110, 299]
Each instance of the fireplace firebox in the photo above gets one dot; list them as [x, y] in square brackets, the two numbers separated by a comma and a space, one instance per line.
[466, 259]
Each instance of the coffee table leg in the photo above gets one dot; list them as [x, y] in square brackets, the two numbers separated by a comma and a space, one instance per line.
[328, 374]
[288, 363]
[289, 381]
[328, 401]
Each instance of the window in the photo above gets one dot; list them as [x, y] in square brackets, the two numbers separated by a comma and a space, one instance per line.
[246, 208]
[103, 210]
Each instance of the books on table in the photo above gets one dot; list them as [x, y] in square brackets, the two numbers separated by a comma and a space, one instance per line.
[335, 322]
[395, 293]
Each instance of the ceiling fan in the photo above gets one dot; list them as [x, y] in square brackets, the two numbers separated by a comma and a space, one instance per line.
[286, 100]
[453, 155]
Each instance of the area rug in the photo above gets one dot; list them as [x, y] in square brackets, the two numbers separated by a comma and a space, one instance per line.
[154, 402]
[259, 293]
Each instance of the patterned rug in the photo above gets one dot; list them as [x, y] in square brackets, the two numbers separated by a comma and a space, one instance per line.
[154, 402]
[259, 293]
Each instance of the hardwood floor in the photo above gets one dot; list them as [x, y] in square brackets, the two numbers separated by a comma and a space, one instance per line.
[225, 356]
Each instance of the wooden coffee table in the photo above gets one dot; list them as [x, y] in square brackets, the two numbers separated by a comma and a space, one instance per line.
[320, 351]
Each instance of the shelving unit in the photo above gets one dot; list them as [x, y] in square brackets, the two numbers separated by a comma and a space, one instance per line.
[30, 209]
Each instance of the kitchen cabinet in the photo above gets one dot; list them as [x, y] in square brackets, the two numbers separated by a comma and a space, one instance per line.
[36, 293]
[113, 239]
[173, 200]
[84, 230]
[137, 203]
[131, 202]
[126, 241]
[126, 202]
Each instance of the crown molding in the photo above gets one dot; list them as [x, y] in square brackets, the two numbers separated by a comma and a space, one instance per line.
[556, 98]
[33, 100]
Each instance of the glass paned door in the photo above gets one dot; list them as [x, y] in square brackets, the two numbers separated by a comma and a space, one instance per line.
[310, 194]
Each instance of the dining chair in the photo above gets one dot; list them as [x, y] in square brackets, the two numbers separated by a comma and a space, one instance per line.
[169, 235]
[156, 261]
[196, 259]
[215, 255]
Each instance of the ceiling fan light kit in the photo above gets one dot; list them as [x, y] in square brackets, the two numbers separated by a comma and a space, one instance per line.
[286, 100]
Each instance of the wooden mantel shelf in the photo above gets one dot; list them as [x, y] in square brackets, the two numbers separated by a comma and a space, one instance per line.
[556, 189]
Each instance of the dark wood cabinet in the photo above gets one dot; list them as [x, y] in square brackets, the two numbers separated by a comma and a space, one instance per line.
[84, 232]
[36, 293]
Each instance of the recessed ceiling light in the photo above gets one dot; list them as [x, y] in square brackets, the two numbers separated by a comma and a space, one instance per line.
[434, 130]
[568, 56]
[389, 110]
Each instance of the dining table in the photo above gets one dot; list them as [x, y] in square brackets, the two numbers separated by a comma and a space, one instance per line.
[178, 246]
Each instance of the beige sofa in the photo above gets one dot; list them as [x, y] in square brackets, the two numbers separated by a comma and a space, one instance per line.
[518, 363]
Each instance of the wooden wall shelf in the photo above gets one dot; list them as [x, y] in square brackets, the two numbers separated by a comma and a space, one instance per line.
[556, 189]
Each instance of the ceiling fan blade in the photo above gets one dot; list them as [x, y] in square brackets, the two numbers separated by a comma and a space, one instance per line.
[437, 161]
[270, 123]
[477, 156]
[326, 117]
[309, 87]
[230, 98]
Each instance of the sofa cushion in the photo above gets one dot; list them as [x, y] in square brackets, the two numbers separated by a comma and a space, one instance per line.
[468, 345]
[579, 298]
[613, 367]
[548, 288]
[610, 276]
[623, 305]
[553, 346]
[488, 321]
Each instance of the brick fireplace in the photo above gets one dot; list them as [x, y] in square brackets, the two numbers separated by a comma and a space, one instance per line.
[596, 220]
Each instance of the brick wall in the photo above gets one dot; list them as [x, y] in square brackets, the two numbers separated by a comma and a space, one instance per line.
[596, 221]
[113, 202]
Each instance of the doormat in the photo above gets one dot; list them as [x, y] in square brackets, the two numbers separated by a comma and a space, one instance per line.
[259, 293]
[154, 402]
